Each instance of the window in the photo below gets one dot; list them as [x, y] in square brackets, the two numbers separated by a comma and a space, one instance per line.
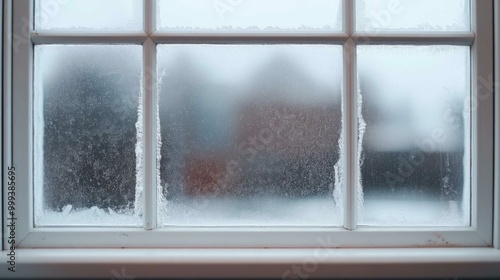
[252, 124]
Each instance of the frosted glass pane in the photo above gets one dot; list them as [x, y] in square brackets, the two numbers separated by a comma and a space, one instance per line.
[250, 134]
[253, 15]
[415, 164]
[89, 14]
[417, 15]
[86, 102]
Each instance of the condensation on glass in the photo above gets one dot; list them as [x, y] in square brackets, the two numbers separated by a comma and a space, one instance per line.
[86, 101]
[413, 15]
[415, 161]
[250, 16]
[89, 15]
[250, 134]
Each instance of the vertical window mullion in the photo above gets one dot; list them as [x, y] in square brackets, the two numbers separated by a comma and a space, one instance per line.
[149, 120]
[349, 109]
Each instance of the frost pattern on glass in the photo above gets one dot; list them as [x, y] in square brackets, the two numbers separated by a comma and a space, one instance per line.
[89, 14]
[360, 206]
[416, 15]
[415, 160]
[161, 193]
[250, 15]
[250, 133]
[139, 156]
[85, 134]
[339, 168]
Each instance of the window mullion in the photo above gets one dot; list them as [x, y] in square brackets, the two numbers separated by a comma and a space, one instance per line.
[350, 131]
[149, 16]
[149, 120]
[349, 16]
[79, 37]
[459, 38]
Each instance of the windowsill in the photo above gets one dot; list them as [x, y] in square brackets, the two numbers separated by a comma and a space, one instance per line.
[268, 263]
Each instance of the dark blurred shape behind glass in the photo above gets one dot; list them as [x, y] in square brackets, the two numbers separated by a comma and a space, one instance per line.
[86, 104]
[415, 157]
[250, 133]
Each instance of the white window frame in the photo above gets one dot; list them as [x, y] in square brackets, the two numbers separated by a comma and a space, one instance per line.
[183, 245]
